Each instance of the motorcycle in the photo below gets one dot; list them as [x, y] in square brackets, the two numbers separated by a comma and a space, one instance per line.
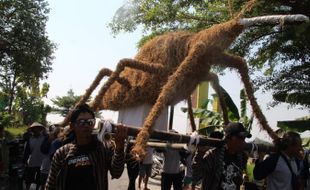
[158, 164]
[158, 161]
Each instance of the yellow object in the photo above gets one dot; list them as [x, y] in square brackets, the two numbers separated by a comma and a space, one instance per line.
[216, 104]
[202, 93]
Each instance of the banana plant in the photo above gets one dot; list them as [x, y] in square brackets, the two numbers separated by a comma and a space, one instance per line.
[245, 119]
[210, 120]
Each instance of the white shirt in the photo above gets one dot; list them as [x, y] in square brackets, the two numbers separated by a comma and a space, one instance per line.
[281, 177]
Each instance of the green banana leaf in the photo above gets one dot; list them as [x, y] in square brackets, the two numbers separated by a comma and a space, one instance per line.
[296, 125]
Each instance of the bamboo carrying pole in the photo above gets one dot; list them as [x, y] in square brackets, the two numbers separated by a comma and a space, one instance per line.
[178, 141]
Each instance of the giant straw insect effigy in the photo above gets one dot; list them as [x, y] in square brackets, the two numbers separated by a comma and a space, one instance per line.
[168, 68]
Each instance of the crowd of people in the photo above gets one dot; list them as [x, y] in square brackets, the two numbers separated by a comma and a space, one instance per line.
[74, 158]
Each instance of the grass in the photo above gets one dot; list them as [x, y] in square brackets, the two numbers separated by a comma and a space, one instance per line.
[14, 132]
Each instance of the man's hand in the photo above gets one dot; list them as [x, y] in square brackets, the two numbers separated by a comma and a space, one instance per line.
[120, 136]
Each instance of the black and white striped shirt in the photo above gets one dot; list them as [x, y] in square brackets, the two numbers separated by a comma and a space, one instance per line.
[102, 158]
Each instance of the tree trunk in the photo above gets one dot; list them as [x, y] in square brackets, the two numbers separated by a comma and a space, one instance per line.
[12, 94]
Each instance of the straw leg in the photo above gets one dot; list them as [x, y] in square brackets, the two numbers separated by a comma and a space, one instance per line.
[131, 63]
[240, 64]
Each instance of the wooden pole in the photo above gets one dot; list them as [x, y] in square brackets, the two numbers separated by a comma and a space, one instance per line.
[175, 140]
[162, 145]
[181, 146]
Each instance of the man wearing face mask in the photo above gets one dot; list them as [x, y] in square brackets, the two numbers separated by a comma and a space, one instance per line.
[33, 156]
[84, 163]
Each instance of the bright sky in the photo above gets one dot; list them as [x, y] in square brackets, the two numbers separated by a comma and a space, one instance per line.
[85, 45]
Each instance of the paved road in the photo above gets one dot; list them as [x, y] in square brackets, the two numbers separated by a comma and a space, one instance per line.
[122, 183]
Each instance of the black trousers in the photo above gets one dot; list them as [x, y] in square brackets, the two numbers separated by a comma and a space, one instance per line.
[167, 180]
[32, 175]
[132, 171]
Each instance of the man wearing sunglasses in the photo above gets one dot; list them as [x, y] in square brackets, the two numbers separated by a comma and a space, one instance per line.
[84, 163]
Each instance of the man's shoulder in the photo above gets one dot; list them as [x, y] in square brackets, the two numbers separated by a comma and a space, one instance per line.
[65, 148]
[269, 160]
[213, 152]
[273, 156]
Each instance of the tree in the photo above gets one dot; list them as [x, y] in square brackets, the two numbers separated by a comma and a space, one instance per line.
[167, 15]
[65, 103]
[282, 54]
[158, 17]
[292, 85]
[25, 50]
[29, 105]
[269, 50]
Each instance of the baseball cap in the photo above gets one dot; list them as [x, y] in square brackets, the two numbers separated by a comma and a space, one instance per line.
[237, 129]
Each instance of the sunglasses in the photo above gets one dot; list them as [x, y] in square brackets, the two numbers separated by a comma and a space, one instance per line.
[85, 122]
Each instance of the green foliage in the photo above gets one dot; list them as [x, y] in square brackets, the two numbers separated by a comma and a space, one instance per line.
[4, 101]
[249, 171]
[65, 103]
[28, 52]
[292, 85]
[6, 119]
[208, 117]
[245, 119]
[157, 17]
[25, 50]
[29, 106]
[232, 109]
[280, 53]
[211, 120]
[14, 132]
[296, 125]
